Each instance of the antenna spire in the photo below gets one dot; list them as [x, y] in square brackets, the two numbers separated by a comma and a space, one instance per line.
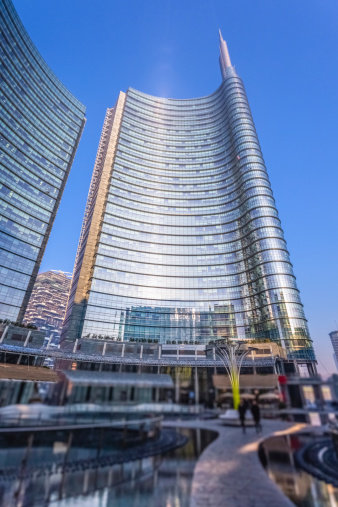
[224, 57]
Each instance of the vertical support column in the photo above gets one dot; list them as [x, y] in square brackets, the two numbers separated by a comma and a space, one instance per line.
[63, 393]
[27, 338]
[75, 345]
[4, 334]
[197, 391]
[253, 362]
[141, 352]
[110, 476]
[123, 348]
[273, 360]
[177, 385]
[63, 478]
[198, 441]
[85, 482]
[69, 444]
[25, 459]
[320, 402]
[312, 367]
[104, 348]
[159, 352]
[282, 368]
[274, 367]
[296, 367]
[157, 392]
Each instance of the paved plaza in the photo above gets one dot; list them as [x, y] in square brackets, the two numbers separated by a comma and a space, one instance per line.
[229, 473]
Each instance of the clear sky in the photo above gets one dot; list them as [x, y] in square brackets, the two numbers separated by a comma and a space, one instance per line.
[286, 53]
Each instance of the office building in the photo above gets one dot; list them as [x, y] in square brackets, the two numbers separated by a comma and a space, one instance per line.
[181, 240]
[47, 305]
[41, 124]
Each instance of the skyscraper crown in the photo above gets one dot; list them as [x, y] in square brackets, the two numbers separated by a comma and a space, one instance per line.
[224, 57]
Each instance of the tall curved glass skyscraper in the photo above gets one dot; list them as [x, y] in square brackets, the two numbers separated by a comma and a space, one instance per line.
[181, 239]
[41, 124]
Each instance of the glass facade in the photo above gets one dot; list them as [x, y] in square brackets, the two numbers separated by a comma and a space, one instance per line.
[188, 246]
[334, 340]
[47, 305]
[41, 123]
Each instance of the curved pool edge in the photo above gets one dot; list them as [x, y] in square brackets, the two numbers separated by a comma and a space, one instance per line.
[229, 472]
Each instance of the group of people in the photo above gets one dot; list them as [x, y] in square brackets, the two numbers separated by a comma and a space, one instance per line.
[255, 411]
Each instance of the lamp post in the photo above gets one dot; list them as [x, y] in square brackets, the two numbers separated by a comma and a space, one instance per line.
[232, 358]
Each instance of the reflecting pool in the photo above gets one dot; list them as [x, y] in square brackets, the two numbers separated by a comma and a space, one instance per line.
[148, 482]
[278, 455]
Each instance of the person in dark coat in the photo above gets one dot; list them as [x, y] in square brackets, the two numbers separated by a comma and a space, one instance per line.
[241, 412]
[256, 414]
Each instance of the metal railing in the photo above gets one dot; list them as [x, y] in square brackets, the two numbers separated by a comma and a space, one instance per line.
[135, 360]
[67, 420]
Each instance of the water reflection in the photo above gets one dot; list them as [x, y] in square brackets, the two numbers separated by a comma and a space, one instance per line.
[148, 482]
[278, 456]
[168, 486]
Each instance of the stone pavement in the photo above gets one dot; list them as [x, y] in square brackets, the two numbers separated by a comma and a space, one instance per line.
[229, 473]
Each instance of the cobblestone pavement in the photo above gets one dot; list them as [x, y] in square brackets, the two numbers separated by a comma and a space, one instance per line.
[229, 473]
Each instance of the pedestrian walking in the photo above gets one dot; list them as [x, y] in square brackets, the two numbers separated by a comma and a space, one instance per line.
[241, 411]
[256, 414]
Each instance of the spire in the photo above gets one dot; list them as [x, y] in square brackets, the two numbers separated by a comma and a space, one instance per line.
[224, 57]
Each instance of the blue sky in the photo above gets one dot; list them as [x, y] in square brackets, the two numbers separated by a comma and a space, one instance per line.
[286, 53]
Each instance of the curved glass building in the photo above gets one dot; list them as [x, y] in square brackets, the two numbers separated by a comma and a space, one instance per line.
[181, 240]
[41, 124]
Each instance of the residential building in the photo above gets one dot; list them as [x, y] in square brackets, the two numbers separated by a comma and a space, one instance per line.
[47, 305]
[41, 124]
